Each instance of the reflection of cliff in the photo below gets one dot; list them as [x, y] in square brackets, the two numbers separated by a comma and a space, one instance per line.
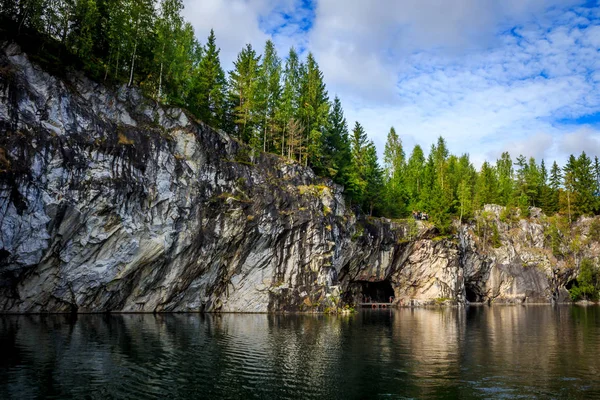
[415, 353]
[432, 340]
[537, 345]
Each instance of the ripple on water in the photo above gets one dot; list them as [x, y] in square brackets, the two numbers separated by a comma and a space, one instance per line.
[503, 352]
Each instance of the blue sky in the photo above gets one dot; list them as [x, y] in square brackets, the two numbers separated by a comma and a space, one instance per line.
[489, 76]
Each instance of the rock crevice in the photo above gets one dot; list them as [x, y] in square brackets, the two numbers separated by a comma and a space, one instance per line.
[110, 202]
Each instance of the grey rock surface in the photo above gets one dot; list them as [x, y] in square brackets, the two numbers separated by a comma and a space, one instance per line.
[110, 202]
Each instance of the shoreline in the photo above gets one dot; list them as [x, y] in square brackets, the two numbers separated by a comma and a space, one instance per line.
[442, 306]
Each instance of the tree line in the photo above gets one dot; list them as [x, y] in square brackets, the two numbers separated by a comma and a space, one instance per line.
[446, 185]
[282, 106]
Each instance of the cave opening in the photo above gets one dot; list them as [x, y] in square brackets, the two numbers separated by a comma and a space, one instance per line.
[471, 294]
[376, 292]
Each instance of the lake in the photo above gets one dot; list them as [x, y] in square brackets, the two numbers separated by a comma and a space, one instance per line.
[508, 352]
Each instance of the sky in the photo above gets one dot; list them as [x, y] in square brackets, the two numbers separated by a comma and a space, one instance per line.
[488, 75]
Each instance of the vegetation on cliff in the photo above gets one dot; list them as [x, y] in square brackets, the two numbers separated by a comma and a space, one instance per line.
[282, 106]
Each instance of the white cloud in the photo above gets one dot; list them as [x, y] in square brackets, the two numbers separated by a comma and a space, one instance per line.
[487, 75]
[583, 139]
[238, 22]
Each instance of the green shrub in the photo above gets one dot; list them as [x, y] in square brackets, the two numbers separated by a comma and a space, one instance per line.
[594, 232]
[587, 283]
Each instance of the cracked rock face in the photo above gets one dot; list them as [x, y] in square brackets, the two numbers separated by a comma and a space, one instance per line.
[110, 202]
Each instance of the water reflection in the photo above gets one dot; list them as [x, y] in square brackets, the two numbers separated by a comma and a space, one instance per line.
[480, 352]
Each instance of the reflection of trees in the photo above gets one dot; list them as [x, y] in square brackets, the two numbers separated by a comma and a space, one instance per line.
[416, 353]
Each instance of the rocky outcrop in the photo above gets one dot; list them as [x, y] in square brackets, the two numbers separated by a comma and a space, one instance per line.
[111, 202]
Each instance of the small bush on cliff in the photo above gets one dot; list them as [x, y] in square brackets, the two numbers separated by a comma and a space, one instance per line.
[594, 232]
[509, 215]
[587, 284]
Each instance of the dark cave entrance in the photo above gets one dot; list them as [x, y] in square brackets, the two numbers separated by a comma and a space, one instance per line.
[376, 292]
[472, 294]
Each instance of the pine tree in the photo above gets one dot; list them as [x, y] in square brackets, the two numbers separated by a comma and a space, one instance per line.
[394, 164]
[243, 90]
[289, 98]
[414, 178]
[568, 198]
[553, 188]
[504, 167]
[374, 180]
[314, 110]
[295, 133]
[81, 34]
[269, 96]
[585, 185]
[463, 178]
[546, 193]
[357, 184]
[140, 21]
[336, 145]
[486, 188]
[168, 26]
[206, 98]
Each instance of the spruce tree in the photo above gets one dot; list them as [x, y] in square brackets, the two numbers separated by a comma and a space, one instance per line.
[290, 99]
[568, 198]
[374, 180]
[357, 184]
[585, 185]
[314, 110]
[269, 97]
[336, 145]
[504, 167]
[486, 188]
[394, 164]
[243, 90]
[414, 178]
[207, 95]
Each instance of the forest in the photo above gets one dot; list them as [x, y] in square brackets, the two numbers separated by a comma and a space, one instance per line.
[281, 105]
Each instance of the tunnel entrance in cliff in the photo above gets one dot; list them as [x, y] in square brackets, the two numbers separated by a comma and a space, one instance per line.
[376, 292]
[472, 294]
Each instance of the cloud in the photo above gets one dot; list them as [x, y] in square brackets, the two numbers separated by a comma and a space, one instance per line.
[238, 22]
[516, 75]
[583, 139]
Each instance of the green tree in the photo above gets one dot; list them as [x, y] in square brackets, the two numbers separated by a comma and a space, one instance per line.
[373, 177]
[243, 89]
[486, 188]
[168, 27]
[415, 169]
[83, 28]
[394, 165]
[504, 167]
[585, 185]
[206, 98]
[269, 96]
[357, 183]
[314, 110]
[568, 198]
[336, 145]
[588, 282]
[290, 99]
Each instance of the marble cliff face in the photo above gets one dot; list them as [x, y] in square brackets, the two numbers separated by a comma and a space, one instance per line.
[110, 202]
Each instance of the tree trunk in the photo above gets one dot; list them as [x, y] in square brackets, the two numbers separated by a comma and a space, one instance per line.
[132, 64]
[162, 57]
[283, 142]
[569, 205]
[117, 65]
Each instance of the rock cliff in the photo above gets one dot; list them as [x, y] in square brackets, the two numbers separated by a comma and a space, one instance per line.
[111, 202]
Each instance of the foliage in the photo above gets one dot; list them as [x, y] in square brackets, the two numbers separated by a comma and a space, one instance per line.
[283, 106]
[594, 231]
[587, 285]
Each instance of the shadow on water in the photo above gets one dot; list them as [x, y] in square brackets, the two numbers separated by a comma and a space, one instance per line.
[478, 352]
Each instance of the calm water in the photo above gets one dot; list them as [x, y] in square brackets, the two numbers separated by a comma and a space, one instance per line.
[480, 352]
